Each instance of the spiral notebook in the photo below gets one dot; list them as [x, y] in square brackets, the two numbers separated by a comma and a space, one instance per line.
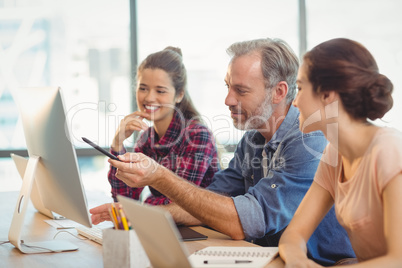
[238, 257]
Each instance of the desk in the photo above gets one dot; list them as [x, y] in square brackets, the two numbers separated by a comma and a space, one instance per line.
[89, 253]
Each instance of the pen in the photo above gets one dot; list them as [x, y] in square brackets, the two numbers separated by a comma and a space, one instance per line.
[226, 261]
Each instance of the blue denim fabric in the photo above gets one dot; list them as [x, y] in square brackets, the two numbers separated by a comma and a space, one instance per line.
[265, 205]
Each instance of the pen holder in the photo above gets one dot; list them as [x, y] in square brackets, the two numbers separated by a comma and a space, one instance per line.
[123, 249]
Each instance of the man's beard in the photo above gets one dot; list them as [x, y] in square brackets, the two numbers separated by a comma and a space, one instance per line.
[259, 116]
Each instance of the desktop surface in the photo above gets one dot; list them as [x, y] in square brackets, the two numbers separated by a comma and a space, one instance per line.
[89, 253]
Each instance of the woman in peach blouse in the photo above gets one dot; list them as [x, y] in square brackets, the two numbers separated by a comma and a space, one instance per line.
[340, 91]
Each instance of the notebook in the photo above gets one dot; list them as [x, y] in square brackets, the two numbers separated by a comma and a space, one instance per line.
[160, 239]
[239, 257]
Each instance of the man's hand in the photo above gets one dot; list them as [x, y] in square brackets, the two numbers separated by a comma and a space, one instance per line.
[305, 263]
[137, 170]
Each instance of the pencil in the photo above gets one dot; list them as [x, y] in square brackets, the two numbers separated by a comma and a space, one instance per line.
[119, 223]
[112, 211]
[123, 219]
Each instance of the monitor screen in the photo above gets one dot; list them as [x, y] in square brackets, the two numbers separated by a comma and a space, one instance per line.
[48, 138]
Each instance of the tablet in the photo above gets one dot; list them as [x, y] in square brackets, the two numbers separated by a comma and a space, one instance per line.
[188, 234]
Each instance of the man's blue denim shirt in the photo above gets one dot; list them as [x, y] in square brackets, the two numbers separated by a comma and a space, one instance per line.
[266, 205]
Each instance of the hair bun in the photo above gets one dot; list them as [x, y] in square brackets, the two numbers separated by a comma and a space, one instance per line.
[175, 49]
[378, 97]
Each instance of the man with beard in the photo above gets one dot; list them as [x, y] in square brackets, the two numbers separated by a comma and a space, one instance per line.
[273, 166]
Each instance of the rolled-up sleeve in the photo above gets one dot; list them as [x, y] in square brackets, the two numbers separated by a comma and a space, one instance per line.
[251, 215]
[268, 207]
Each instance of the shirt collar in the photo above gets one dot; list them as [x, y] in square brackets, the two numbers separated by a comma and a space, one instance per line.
[290, 120]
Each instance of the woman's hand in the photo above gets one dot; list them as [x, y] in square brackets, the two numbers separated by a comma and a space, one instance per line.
[129, 124]
[100, 213]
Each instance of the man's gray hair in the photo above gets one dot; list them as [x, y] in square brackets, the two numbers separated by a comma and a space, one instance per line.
[278, 61]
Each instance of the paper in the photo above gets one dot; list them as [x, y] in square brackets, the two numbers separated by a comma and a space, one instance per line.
[62, 224]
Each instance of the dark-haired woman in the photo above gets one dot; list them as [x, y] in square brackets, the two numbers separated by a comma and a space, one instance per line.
[340, 88]
[177, 139]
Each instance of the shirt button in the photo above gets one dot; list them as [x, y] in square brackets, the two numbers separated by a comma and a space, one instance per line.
[273, 185]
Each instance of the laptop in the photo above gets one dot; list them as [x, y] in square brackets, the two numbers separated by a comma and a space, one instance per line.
[157, 233]
[160, 239]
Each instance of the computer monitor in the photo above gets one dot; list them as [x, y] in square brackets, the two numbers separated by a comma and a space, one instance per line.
[52, 166]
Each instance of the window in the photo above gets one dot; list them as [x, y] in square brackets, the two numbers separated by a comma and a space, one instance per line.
[81, 46]
[84, 47]
[203, 30]
[376, 25]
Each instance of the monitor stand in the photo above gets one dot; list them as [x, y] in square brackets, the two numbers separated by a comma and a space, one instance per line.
[14, 234]
[21, 165]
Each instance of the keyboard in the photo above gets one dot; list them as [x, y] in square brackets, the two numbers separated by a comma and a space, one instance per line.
[94, 233]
